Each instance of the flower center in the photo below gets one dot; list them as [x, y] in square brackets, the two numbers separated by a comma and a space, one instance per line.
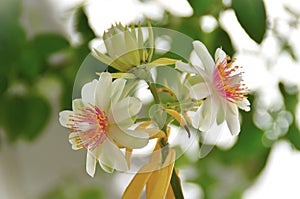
[228, 81]
[91, 126]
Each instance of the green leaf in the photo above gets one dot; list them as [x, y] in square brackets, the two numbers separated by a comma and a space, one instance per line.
[55, 194]
[16, 112]
[3, 83]
[90, 193]
[290, 102]
[66, 96]
[252, 16]
[10, 12]
[39, 114]
[290, 97]
[202, 7]
[12, 40]
[82, 25]
[293, 136]
[157, 114]
[219, 38]
[46, 44]
[30, 65]
[25, 116]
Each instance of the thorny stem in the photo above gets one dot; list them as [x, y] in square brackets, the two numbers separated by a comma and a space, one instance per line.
[175, 181]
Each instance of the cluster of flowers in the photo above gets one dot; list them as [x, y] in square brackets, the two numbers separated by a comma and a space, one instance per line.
[102, 120]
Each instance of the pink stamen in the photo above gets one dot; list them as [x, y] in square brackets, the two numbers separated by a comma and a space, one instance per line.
[91, 127]
[228, 82]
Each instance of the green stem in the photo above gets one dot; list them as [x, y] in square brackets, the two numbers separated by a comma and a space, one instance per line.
[175, 181]
[152, 88]
[176, 186]
[142, 119]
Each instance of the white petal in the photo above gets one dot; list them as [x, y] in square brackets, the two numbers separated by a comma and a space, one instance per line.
[195, 118]
[88, 92]
[106, 168]
[199, 91]
[204, 55]
[103, 91]
[128, 138]
[185, 67]
[96, 152]
[232, 119]
[244, 105]
[73, 140]
[77, 105]
[112, 157]
[124, 110]
[207, 114]
[90, 164]
[232, 108]
[220, 56]
[220, 114]
[64, 118]
[117, 89]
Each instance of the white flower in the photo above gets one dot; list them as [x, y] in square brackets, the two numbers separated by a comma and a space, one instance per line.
[99, 122]
[221, 86]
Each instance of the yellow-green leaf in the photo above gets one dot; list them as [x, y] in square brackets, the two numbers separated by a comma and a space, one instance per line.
[164, 61]
[106, 59]
[179, 118]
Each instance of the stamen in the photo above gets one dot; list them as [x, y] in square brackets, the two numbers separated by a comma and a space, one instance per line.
[228, 81]
[90, 126]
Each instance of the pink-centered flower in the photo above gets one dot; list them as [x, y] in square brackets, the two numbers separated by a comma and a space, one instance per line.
[220, 84]
[100, 123]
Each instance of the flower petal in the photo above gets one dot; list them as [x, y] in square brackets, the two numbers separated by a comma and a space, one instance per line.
[205, 115]
[199, 91]
[221, 113]
[77, 105]
[208, 114]
[128, 138]
[88, 92]
[244, 105]
[73, 139]
[185, 67]
[90, 164]
[103, 91]
[204, 55]
[64, 118]
[112, 157]
[106, 168]
[220, 56]
[232, 119]
[124, 110]
[194, 118]
[117, 89]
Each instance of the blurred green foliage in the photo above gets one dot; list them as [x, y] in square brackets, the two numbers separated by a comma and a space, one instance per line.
[82, 193]
[25, 112]
[25, 61]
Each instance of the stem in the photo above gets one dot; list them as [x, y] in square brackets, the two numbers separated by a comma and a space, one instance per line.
[175, 181]
[176, 186]
[152, 88]
[142, 120]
